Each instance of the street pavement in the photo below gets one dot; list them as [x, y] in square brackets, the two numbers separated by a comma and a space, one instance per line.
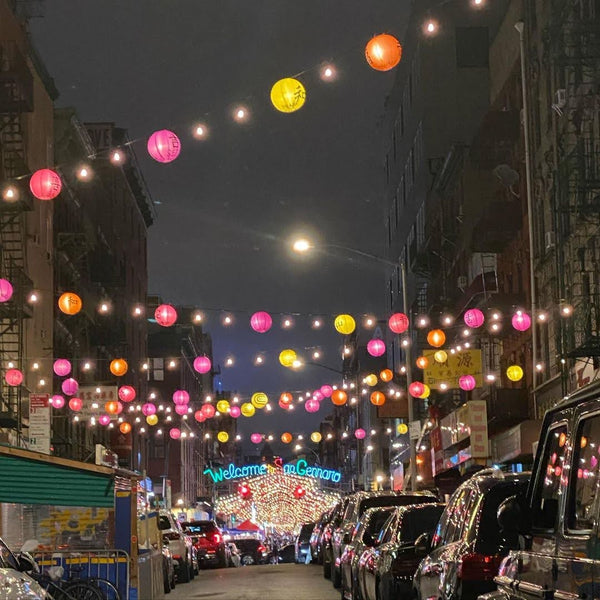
[273, 582]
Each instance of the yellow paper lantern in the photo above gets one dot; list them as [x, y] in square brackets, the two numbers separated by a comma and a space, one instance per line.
[70, 303]
[422, 362]
[248, 409]
[440, 356]
[287, 357]
[514, 373]
[152, 419]
[386, 375]
[377, 398]
[402, 428]
[426, 392]
[371, 379]
[222, 406]
[118, 367]
[259, 400]
[286, 437]
[223, 437]
[288, 95]
[316, 437]
[344, 324]
[436, 338]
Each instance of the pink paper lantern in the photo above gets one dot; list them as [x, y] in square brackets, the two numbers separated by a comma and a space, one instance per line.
[199, 416]
[521, 321]
[175, 433]
[312, 406]
[126, 393]
[181, 409]
[164, 146]
[208, 410]
[45, 184]
[57, 401]
[376, 347]
[318, 395]
[326, 390]
[181, 397]
[148, 409]
[360, 434]
[104, 420]
[261, 321]
[70, 387]
[416, 389]
[473, 318]
[398, 323]
[62, 367]
[467, 382]
[13, 377]
[76, 404]
[6, 290]
[235, 411]
[256, 438]
[202, 364]
[165, 315]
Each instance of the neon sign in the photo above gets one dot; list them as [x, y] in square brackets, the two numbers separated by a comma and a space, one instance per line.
[301, 468]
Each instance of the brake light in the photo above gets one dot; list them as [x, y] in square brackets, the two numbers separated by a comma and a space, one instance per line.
[172, 535]
[261, 548]
[479, 567]
[217, 538]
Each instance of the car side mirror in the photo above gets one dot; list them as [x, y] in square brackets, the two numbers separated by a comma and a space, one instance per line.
[27, 563]
[423, 545]
[513, 516]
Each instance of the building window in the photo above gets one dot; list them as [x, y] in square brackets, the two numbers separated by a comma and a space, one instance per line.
[472, 47]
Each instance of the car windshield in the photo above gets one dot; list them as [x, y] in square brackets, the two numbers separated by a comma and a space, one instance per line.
[199, 527]
[418, 521]
[7, 558]
[306, 532]
[388, 501]
[164, 523]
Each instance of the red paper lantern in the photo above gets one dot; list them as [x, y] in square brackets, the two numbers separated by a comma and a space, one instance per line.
[261, 321]
[175, 433]
[6, 290]
[416, 389]
[127, 393]
[202, 364]
[76, 404]
[285, 398]
[299, 492]
[376, 347]
[164, 146]
[181, 409]
[13, 377]
[383, 52]
[165, 315]
[398, 323]
[208, 410]
[45, 184]
[467, 382]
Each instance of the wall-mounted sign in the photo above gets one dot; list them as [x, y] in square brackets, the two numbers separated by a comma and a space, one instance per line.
[466, 362]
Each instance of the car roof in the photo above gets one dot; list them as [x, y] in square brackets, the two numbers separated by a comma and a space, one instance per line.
[489, 478]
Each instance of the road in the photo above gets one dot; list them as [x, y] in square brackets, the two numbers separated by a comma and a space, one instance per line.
[273, 582]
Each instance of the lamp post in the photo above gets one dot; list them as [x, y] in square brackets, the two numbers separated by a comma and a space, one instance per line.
[303, 245]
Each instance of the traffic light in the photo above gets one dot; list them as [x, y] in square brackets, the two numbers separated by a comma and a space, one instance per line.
[244, 491]
[299, 492]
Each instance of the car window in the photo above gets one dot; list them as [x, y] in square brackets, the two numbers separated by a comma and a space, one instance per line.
[545, 496]
[199, 527]
[418, 521]
[388, 530]
[450, 527]
[349, 511]
[164, 523]
[377, 521]
[7, 558]
[306, 531]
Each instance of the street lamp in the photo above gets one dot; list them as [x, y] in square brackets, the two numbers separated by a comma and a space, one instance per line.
[304, 245]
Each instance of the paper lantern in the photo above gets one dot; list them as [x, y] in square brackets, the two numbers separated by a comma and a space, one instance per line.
[398, 323]
[467, 382]
[473, 318]
[422, 362]
[13, 377]
[57, 401]
[45, 184]
[148, 409]
[521, 321]
[208, 410]
[259, 400]
[113, 407]
[287, 357]
[415, 389]
[6, 290]
[426, 392]
[126, 393]
[326, 390]
[386, 375]
[286, 437]
[402, 428]
[376, 347]
[440, 356]
[285, 398]
[76, 404]
[70, 387]
[371, 379]
[125, 428]
[181, 409]
[514, 373]
[181, 397]
[344, 324]
[436, 338]
[316, 395]
[339, 397]
[118, 367]
[256, 438]
[288, 95]
[261, 321]
[199, 416]
[312, 406]
[62, 367]
[383, 52]
[377, 398]
[69, 303]
[174, 433]
[104, 420]
[248, 409]
[152, 420]
[223, 406]
[316, 437]
[202, 364]
[165, 315]
[223, 437]
[164, 146]
[360, 433]
[235, 412]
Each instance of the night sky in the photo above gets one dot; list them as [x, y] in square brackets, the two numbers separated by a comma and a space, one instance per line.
[228, 206]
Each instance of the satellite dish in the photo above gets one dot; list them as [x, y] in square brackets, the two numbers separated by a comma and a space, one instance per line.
[507, 175]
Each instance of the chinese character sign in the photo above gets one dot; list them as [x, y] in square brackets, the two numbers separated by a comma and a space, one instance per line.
[466, 362]
[94, 398]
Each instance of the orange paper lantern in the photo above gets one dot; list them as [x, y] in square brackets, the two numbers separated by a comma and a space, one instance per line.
[422, 362]
[383, 52]
[386, 375]
[339, 397]
[286, 437]
[69, 303]
[125, 427]
[436, 338]
[118, 367]
[377, 398]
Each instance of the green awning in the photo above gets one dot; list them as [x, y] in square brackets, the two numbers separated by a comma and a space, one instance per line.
[25, 481]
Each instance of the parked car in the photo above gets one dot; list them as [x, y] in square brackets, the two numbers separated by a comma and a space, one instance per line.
[363, 536]
[357, 504]
[464, 553]
[254, 552]
[386, 568]
[15, 584]
[302, 543]
[315, 537]
[180, 545]
[168, 567]
[327, 536]
[208, 541]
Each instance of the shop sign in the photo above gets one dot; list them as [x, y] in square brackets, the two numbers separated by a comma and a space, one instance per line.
[479, 428]
[449, 431]
[39, 423]
[94, 398]
[465, 362]
[457, 459]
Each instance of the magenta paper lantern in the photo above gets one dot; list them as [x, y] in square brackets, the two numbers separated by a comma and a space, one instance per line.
[473, 318]
[181, 409]
[164, 146]
[148, 409]
[45, 184]
[202, 364]
[104, 420]
[235, 411]
[467, 382]
[208, 410]
[76, 404]
[398, 322]
[6, 290]
[199, 416]
[326, 390]
[360, 434]
[13, 377]
[181, 397]
[318, 395]
[70, 386]
[126, 393]
[256, 438]
[521, 321]
[62, 367]
[57, 401]
[312, 406]
[175, 433]
[261, 321]
[416, 389]
[376, 347]
[165, 315]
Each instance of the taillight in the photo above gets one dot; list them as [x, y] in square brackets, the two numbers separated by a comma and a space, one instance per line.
[261, 548]
[479, 567]
[172, 535]
[217, 538]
